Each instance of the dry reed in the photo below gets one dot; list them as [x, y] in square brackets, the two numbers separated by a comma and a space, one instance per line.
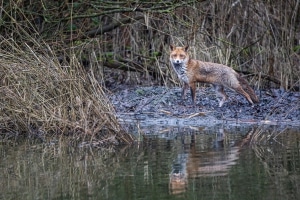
[258, 38]
[39, 96]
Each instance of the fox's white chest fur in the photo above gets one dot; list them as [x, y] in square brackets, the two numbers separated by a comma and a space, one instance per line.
[181, 71]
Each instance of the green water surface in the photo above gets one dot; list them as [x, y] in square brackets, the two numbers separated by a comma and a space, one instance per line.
[171, 163]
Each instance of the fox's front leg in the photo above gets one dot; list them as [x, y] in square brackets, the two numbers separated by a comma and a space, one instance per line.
[183, 92]
[193, 92]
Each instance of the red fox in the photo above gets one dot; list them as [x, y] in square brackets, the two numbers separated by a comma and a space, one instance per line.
[191, 71]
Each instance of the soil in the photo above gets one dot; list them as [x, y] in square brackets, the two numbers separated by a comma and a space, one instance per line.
[163, 106]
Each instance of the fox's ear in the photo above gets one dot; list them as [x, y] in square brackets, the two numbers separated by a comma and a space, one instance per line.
[186, 47]
[172, 47]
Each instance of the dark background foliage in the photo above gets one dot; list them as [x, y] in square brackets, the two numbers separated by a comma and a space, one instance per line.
[259, 38]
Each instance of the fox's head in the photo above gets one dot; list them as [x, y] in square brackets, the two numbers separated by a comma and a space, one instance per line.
[178, 55]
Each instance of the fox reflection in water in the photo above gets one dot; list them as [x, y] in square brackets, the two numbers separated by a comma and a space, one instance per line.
[214, 162]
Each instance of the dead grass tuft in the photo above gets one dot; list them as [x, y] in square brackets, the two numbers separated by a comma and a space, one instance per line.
[40, 96]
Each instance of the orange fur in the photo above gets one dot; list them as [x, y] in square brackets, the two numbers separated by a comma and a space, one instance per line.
[191, 71]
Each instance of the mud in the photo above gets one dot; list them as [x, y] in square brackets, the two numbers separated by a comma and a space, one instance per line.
[159, 105]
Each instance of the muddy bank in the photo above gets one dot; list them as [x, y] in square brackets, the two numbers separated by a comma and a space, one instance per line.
[163, 106]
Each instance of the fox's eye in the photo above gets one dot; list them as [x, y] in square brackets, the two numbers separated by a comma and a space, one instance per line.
[181, 56]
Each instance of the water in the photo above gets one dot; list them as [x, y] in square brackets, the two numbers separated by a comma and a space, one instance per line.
[173, 163]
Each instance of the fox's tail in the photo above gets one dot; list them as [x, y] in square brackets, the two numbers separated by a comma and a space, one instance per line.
[248, 89]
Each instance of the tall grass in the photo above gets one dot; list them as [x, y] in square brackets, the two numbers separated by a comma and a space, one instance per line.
[258, 38]
[39, 96]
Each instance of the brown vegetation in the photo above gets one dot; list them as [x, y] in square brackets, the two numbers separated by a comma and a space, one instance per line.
[40, 97]
[258, 38]
[44, 45]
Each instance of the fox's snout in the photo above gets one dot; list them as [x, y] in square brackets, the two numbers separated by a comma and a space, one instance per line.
[177, 61]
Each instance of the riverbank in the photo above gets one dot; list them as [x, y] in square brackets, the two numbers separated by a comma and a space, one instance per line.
[163, 106]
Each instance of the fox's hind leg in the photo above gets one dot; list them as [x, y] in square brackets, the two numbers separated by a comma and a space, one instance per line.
[220, 93]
